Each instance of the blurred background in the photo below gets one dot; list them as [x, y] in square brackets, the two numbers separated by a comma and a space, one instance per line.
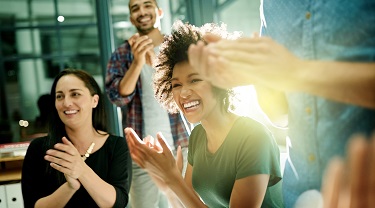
[39, 38]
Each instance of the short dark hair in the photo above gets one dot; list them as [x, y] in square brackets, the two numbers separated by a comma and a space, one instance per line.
[156, 4]
[174, 50]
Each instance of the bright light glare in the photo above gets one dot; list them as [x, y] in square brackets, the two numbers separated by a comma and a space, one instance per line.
[246, 103]
[60, 18]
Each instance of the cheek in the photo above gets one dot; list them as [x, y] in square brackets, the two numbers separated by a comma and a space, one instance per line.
[57, 104]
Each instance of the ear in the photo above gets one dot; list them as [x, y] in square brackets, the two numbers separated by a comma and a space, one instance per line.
[160, 13]
[95, 101]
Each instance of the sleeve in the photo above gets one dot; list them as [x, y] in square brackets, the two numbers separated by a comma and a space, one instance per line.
[258, 154]
[117, 66]
[193, 142]
[121, 172]
[33, 171]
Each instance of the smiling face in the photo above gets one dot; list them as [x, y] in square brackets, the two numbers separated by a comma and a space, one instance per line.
[193, 95]
[145, 15]
[74, 102]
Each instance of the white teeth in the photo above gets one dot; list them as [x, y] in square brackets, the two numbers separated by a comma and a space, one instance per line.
[145, 19]
[70, 112]
[191, 104]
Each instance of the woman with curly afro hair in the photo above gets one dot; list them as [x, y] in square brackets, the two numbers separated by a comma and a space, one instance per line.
[233, 161]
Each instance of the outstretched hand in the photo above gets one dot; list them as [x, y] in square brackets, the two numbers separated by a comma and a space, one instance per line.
[351, 183]
[66, 159]
[245, 61]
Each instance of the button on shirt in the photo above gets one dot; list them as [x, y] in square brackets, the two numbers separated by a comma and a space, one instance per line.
[319, 128]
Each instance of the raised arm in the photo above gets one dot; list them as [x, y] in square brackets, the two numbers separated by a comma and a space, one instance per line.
[260, 60]
[140, 45]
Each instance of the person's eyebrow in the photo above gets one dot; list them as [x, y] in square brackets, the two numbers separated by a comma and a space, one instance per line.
[71, 90]
[190, 75]
[136, 5]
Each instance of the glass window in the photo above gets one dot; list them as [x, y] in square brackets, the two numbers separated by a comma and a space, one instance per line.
[35, 45]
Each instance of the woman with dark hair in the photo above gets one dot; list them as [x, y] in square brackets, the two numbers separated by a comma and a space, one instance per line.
[233, 161]
[78, 164]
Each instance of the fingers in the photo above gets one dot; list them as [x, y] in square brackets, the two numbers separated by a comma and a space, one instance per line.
[141, 44]
[139, 149]
[371, 174]
[210, 38]
[357, 167]
[162, 142]
[332, 183]
[132, 136]
[133, 38]
[66, 147]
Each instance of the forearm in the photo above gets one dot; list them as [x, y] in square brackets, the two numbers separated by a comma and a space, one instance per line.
[173, 200]
[185, 195]
[129, 81]
[59, 198]
[103, 193]
[346, 82]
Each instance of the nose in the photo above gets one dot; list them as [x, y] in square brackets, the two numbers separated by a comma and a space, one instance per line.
[185, 92]
[67, 101]
[142, 11]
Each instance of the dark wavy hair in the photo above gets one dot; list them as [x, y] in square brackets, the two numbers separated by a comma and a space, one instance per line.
[174, 50]
[56, 128]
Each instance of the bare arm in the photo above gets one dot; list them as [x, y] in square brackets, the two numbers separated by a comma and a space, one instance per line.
[59, 198]
[249, 191]
[346, 82]
[261, 60]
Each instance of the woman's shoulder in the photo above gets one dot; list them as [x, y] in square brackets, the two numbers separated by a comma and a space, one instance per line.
[38, 141]
[198, 129]
[115, 141]
[250, 125]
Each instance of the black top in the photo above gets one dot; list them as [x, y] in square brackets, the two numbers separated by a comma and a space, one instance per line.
[112, 163]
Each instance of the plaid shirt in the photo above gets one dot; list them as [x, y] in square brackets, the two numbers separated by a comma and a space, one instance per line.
[117, 66]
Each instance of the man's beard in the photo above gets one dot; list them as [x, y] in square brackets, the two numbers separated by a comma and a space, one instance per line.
[145, 30]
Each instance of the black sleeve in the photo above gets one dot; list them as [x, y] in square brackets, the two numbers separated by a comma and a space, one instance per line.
[33, 170]
[120, 173]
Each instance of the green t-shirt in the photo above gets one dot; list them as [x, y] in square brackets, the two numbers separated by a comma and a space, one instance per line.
[248, 149]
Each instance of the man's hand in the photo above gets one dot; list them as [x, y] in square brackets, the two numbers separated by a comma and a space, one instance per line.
[142, 49]
[351, 183]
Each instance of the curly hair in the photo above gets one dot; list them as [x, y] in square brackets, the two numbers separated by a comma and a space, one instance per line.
[174, 50]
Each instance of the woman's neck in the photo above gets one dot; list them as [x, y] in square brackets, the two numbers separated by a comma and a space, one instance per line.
[217, 129]
[82, 138]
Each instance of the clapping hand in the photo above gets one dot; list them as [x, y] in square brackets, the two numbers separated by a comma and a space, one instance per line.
[351, 183]
[154, 156]
[142, 49]
[66, 159]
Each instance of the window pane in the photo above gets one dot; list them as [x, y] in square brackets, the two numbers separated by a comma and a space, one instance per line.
[25, 81]
[73, 11]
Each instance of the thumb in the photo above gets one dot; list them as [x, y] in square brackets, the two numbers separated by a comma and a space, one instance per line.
[255, 35]
[211, 38]
[66, 141]
[179, 159]
[161, 141]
